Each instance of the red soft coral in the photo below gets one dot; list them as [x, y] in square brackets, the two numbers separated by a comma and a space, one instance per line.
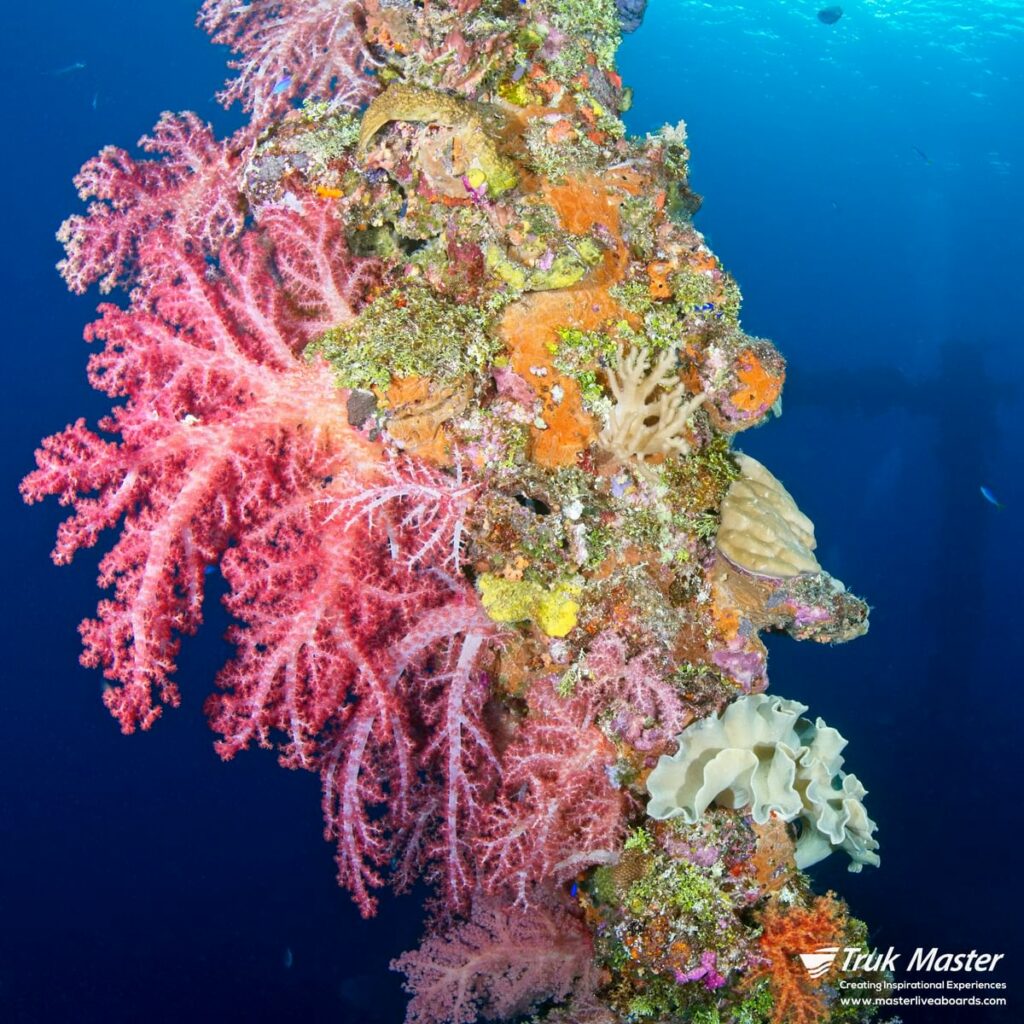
[500, 963]
[235, 451]
[558, 811]
[320, 282]
[431, 507]
[221, 423]
[288, 49]
[644, 707]
[191, 189]
[368, 669]
[457, 758]
[788, 932]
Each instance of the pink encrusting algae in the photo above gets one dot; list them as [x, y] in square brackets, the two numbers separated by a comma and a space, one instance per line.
[438, 373]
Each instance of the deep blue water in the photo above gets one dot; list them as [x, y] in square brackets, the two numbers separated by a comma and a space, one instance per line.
[143, 879]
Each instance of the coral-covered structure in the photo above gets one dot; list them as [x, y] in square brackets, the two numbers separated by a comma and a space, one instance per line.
[430, 362]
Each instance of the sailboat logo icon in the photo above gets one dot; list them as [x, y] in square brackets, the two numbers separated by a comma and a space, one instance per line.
[818, 962]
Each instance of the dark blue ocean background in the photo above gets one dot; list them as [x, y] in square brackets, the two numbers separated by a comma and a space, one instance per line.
[863, 183]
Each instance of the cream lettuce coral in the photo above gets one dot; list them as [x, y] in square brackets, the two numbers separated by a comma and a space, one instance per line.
[761, 754]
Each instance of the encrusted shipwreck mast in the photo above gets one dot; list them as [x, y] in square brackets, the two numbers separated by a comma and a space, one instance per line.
[437, 372]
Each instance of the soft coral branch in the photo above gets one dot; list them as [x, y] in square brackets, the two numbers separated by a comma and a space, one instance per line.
[500, 963]
[450, 691]
[434, 751]
[190, 189]
[220, 421]
[557, 812]
[289, 49]
[320, 281]
[430, 507]
[350, 660]
[637, 694]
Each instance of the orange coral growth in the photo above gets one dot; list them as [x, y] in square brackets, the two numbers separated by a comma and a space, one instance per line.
[418, 410]
[561, 131]
[759, 388]
[702, 259]
[725, 616]
[530, 326]
[787, 933]
[659, 286]
[774, 856]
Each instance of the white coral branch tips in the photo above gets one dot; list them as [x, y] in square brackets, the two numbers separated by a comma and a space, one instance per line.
[651, 409]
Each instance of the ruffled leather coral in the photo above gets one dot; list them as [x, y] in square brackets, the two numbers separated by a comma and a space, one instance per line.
[761, 754]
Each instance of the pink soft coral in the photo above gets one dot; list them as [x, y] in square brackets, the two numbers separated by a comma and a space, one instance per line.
[500, 963]
[637, 694]
[320, 282]
[235, 451]
[191, 189]
[288, 49]
[558, 811]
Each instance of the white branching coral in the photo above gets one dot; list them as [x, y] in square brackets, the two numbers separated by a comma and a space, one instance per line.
[651, 409]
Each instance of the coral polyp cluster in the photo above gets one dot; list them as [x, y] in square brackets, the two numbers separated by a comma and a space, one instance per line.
[438, 372]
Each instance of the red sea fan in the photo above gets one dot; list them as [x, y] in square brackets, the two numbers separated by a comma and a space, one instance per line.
[500, 963]
[288, 49]
[192, 190]
[558, 811]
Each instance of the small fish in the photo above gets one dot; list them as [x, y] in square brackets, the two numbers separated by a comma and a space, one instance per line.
[70, 69]
[95, 100]
[990, 497]
[288, 959]
[830, 15]
[282, 86]
[923, 155]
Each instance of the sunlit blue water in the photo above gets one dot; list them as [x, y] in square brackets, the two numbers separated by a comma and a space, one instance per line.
[863, 183]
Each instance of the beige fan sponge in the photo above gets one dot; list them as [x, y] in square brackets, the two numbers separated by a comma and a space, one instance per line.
[761, 528]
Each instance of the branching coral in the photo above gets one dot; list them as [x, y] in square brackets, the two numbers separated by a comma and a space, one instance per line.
[651, 410]
[558, 811]
[311, 49]
[500, 963]
[788, 932]
[190, 188]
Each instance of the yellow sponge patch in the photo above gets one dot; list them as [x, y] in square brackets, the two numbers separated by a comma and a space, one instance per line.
[554, 610]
